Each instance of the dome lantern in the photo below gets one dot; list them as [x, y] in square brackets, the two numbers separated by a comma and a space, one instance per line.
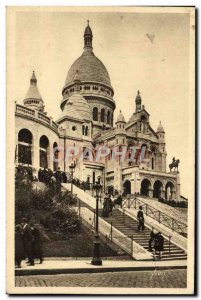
[88, 36]
[33, 79]
[138, 102]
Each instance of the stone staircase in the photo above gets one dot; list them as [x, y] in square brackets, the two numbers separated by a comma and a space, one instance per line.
[128, 226]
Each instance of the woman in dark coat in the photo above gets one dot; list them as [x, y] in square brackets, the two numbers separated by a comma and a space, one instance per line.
[119, 201]
[106, 206]
[19, 246]
[158, 244]
[37, 248]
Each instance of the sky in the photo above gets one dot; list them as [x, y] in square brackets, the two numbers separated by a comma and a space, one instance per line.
[50, 41]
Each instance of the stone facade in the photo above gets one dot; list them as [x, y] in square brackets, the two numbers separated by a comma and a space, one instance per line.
[86, 123]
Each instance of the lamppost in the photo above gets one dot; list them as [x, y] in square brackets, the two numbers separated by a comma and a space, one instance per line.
[88, 182]
[96, 260]
[72, 170]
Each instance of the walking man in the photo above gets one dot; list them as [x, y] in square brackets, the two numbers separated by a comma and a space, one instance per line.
[27, 238]
[140, 217]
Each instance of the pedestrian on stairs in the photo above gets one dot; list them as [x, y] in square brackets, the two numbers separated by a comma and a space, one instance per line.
[106, 206]
[140, 217]
[152, 239]
[158, 245]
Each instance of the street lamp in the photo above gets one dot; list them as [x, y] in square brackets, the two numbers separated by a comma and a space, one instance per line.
[88, 182]
[72, 170]
[96, 260]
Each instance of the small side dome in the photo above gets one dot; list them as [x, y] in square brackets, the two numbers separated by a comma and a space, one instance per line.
[33, 98]
[80, 104]
[120, 118]
[160, 128]
[71, 112]
[33, 92]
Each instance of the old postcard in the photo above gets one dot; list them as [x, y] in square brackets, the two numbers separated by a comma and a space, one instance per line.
[101, 150]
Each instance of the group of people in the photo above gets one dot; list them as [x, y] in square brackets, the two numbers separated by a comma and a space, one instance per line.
[156, 241]
[24, 172]
[48, 176]
[28, 243]
[109, 203]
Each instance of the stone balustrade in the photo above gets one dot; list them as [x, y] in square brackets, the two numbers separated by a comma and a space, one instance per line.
[38, 116]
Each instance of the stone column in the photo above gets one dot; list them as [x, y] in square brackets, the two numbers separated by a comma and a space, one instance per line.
[36, 154]
[16, 148]
[173, 195]
[99, 115]
[163, 194]
[50, 157]
[151, 192]
[132, 186]
[118, 176]
[137, 182]
[177, 196]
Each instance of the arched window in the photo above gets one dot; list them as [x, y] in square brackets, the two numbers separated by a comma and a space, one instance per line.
[86, 130]
[153, 157]
[102, 115]
[143, 153]
[44, 151]
[142, 123]
[95, 114]
[108, 117]
[83, 130]
[25, 146]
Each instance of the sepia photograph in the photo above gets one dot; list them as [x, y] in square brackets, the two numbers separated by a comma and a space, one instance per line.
[100, 150]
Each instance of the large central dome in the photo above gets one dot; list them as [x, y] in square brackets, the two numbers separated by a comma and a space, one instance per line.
[90, 69]
[94, 86]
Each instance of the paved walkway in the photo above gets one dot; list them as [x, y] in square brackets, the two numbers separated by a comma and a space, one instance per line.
[63, 266]
[138, 279]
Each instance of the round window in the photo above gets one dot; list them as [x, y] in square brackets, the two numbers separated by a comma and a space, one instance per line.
[74, 128]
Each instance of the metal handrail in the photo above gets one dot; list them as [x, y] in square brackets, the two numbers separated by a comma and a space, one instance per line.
[157, 215]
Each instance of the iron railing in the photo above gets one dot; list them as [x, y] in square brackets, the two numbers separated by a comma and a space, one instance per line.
[157, 215]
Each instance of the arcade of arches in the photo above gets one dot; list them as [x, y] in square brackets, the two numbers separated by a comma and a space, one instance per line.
[156, 192]
[24, 153]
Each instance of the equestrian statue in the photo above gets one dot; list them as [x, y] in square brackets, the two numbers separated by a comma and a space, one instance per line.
[174, 164]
